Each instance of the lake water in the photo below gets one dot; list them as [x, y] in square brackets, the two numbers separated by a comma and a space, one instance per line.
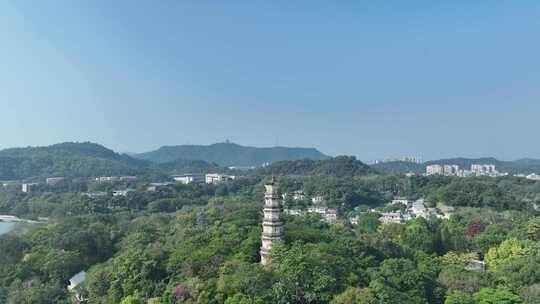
[6, 227]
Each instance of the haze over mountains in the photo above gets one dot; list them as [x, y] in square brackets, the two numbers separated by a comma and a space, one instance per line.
[230, 154]
[90, 159]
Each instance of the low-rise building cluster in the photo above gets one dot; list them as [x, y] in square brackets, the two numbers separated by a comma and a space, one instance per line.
[391, 217]
[123, 192]
[414, 209]
[28, 187]
[533, 176]
[216, 178]
[7, 183]
[318, 207]
[408, 159]
[454, 170]
[54, 180]
[328, 214]
[400, 200]
[96, 194]
[210, 178]
[299, 195]
[108, 179]
[153, 187]
[188, 178]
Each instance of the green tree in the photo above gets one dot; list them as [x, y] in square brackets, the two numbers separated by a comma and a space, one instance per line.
[531, 294]
[250, 280]
[418, 236]
[354, 295]
[36, 291]
[533, 229]
[508, 251]
[305, 274]
[133, 299]
[459, 297]
[492, 296]
[368, 222]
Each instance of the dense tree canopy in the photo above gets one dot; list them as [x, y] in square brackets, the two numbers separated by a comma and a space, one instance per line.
[200, 243]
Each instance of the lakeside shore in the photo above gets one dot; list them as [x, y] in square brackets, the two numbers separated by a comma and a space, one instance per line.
[14, 219]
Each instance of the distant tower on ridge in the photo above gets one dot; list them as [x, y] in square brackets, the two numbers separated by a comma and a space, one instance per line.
[273, 220]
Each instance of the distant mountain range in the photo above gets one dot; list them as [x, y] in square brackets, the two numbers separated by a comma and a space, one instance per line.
[525, 165]
[89, 159]
[230, 154]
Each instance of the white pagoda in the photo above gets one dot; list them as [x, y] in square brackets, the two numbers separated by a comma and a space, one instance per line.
[273, 220]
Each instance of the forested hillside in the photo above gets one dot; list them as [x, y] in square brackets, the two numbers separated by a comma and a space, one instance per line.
[229, 154]
[339, 166]
[181, 166]
[66, 159]
[87, 160]
[399, 167]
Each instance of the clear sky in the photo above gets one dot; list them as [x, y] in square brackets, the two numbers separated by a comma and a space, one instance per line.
[373, 79]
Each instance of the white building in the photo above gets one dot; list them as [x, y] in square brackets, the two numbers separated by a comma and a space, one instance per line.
[104, 179]
[329, 214]
[122, 192]
[188, 178]
[54, 180]
[408, 159]
[444, 216]
[75, 281]
[216, 178]
[400, 200]
[446, 170]
[8, 183]
[152, 187]
[484, 169]
[27, 187]
[476, 265]
[533, 176]
[464, 173]
[95, 194]
[451, 170]
[294, 211]
[434, 170]
[390, 217]
[406, 216]
[298, 195]
[418, 209]
[317, 199]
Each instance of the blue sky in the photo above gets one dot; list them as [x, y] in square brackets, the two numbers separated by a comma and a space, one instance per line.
[373, 79]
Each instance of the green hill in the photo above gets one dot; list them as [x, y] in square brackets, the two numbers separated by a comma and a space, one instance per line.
[87, 159]
[66, 159]
[399, 167]
[340, 166]
[230, 154]
[181, 166]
